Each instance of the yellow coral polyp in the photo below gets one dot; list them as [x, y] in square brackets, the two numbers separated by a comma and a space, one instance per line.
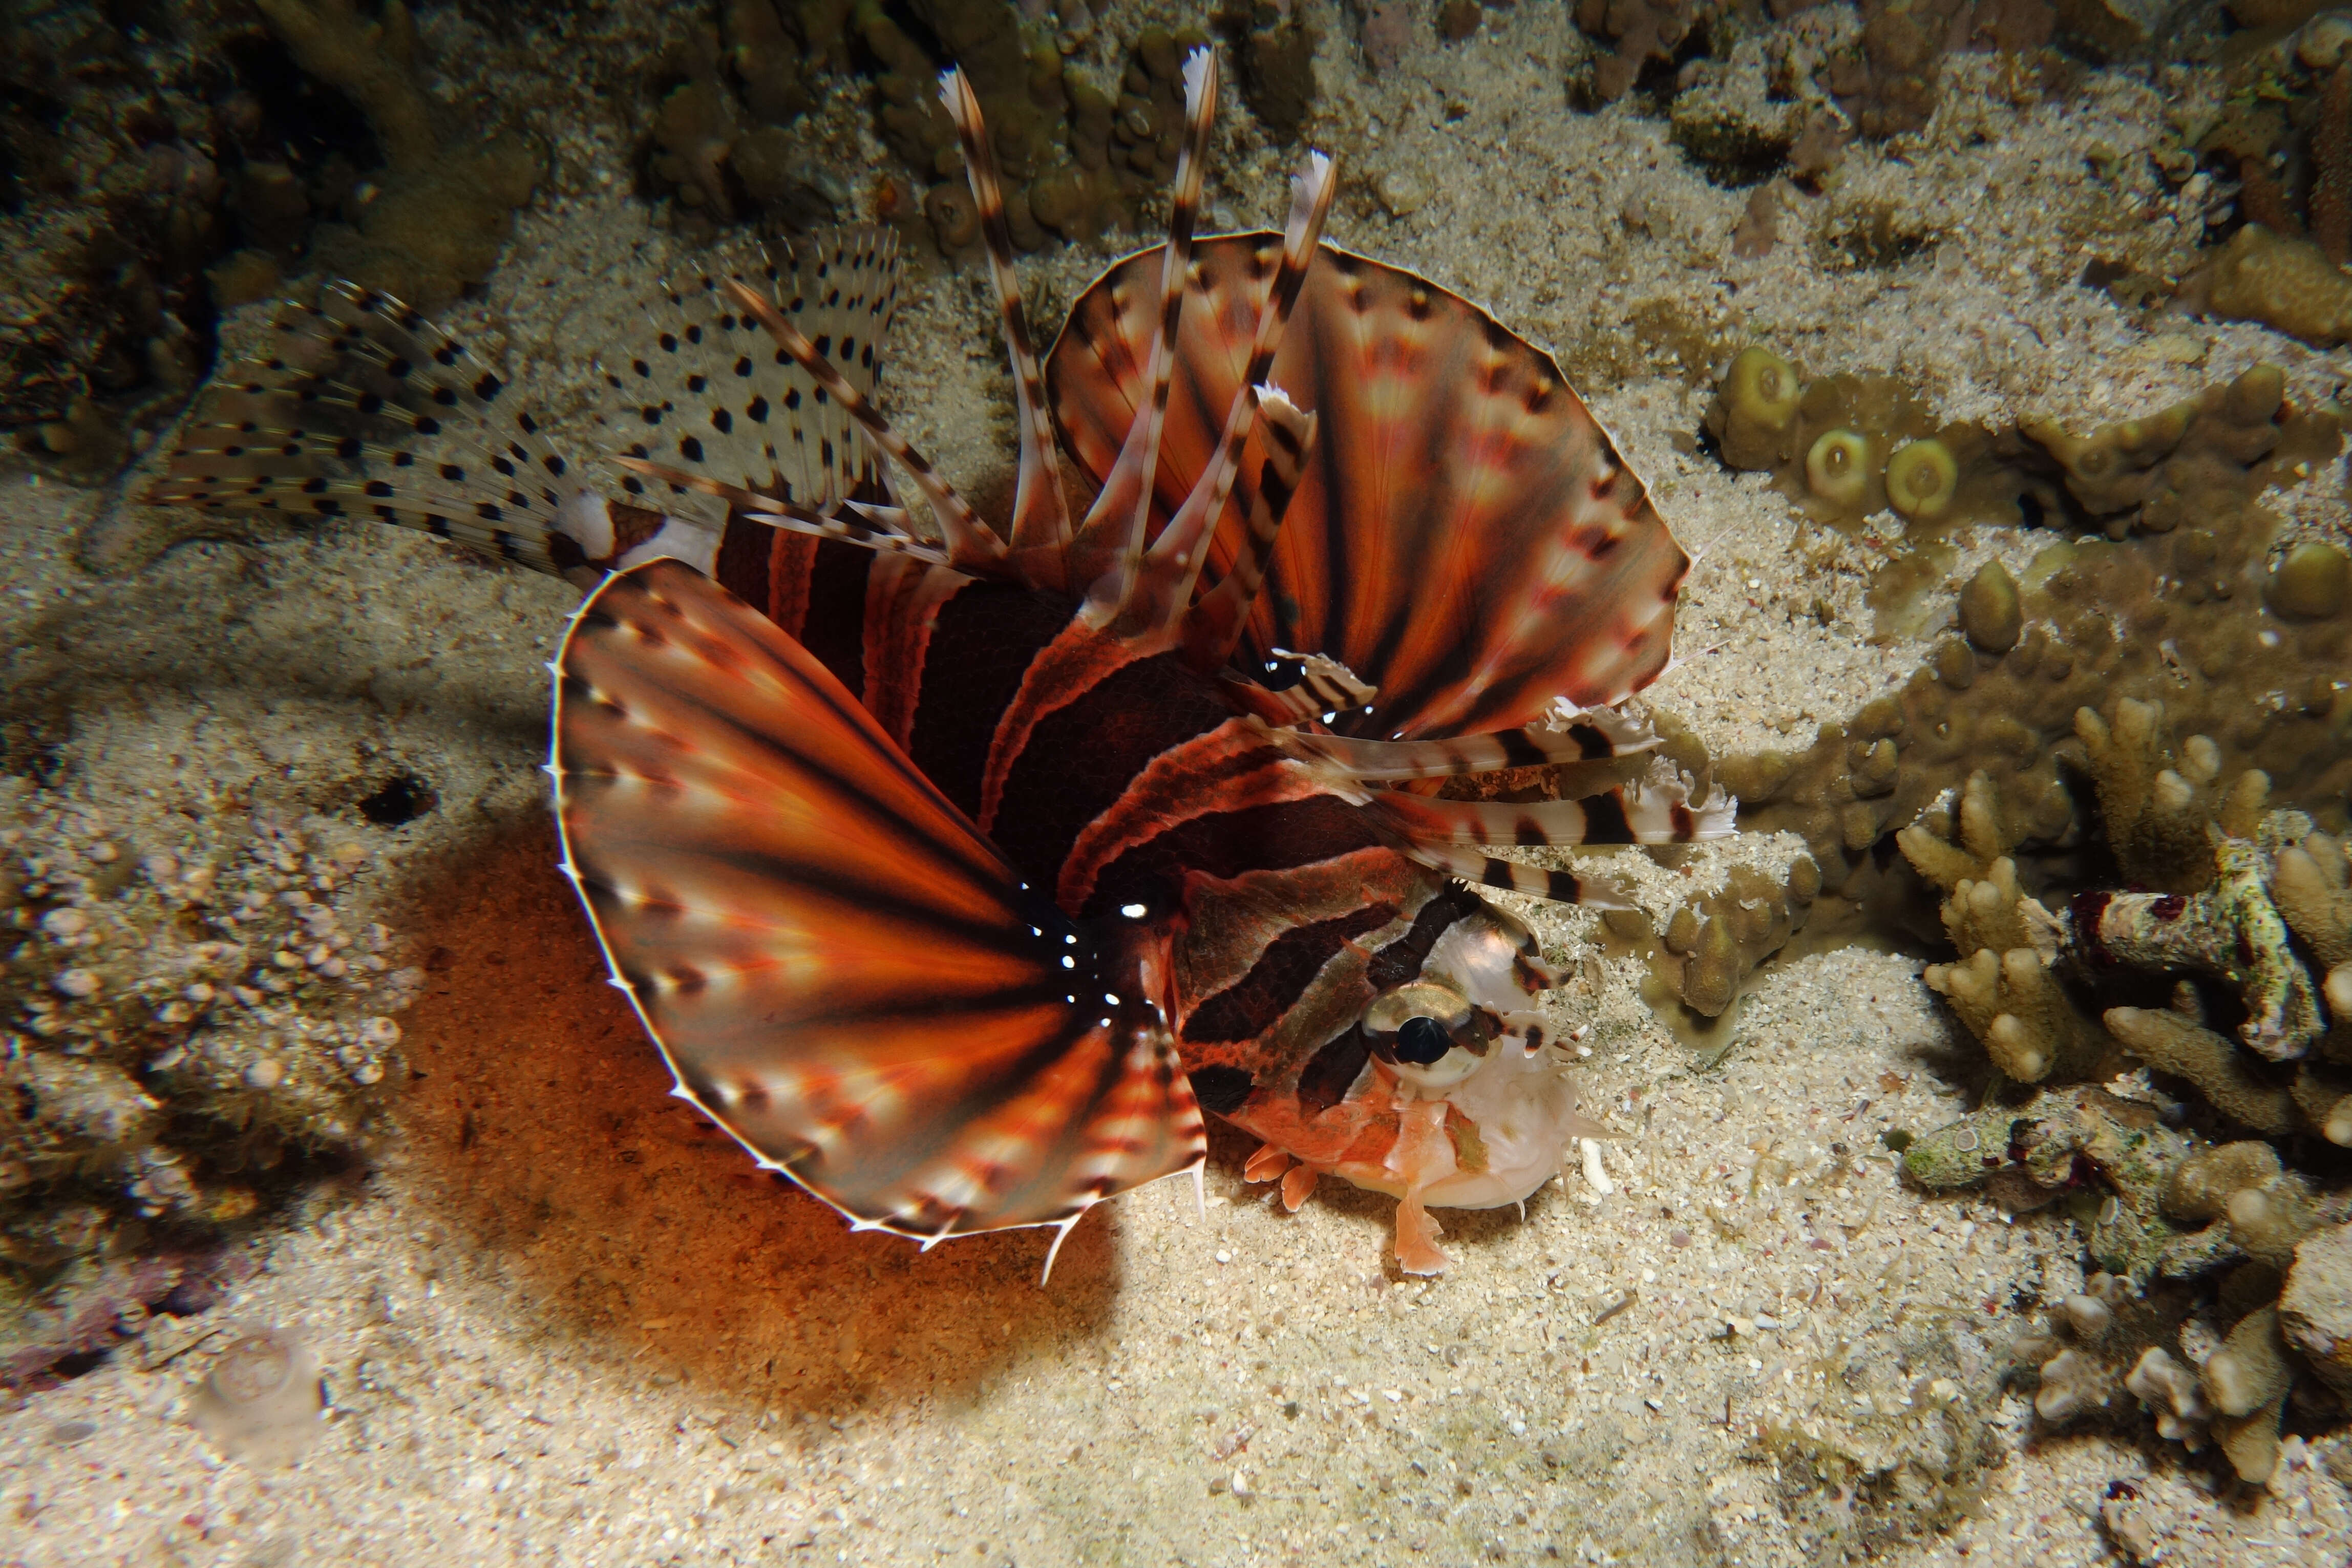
[1837, 468]
[1755, 410]
[1762, 387]
[1922, 477]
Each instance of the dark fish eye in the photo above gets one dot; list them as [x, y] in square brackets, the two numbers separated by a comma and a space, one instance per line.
[1422, 1041]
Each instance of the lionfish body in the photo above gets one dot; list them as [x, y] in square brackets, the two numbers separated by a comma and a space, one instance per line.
[956, 876]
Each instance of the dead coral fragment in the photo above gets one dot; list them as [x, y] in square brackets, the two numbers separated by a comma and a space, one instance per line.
[2231, 930]
[2281, 282]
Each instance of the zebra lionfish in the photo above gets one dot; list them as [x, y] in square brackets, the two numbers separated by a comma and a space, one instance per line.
[956, 873]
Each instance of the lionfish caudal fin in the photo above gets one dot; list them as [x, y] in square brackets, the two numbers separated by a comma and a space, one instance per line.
[359, 406]
[839, 969]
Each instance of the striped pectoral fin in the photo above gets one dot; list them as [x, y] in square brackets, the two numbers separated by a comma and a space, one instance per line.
[1536, 882]
[1659, 811]
[839, 969]
[1466, 538]
[1570, 737]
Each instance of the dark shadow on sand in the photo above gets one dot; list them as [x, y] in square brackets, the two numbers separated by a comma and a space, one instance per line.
[544, 1126]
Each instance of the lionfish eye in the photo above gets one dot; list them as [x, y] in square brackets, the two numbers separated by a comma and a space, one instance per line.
[1282, 673]
[1422, 1041]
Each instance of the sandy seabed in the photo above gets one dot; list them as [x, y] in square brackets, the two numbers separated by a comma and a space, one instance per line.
[562, 1322]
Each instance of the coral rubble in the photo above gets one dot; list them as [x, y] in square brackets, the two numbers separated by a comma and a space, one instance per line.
[192, 1017]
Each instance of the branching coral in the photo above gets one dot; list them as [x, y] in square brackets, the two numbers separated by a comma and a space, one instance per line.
[2221, 1279]
[2258, 926]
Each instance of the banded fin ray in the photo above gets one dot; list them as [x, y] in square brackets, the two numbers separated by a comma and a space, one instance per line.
[1041, 514]
[1567, 736]
[1467, 539]
[359, 406]
[1656, 810]
[839, 970]
[1108, 553]
[709, 393]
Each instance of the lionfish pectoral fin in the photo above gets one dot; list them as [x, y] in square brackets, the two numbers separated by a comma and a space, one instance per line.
[1467, 538]
[1108, 553]
[840, 969]
[1041, 517]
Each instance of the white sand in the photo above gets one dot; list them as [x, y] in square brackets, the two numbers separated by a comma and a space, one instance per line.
[562, 1323]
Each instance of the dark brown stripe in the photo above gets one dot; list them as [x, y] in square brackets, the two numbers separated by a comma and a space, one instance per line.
[1252, 1004]
[1329, 1075]
[1604, 819]
[1400, 960]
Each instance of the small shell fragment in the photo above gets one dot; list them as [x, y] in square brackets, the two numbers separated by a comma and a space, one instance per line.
[262, 1402]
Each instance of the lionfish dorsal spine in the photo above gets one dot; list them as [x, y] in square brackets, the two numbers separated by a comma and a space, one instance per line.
[1108, 553]
[1177, 556]
[1040, 516]
[1213, 627]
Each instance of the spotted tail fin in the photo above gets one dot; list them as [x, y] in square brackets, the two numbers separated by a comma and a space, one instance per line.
[839, 969]
[358, 407]
[708, 393]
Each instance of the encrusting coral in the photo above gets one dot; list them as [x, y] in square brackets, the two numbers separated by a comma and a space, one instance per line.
[2183, 599]
[190, 1018]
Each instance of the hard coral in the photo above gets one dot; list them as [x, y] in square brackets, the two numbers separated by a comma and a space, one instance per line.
[2183, 605]
[1075, 155]
[732, 137]
[432, 222]
[2213, 1330]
